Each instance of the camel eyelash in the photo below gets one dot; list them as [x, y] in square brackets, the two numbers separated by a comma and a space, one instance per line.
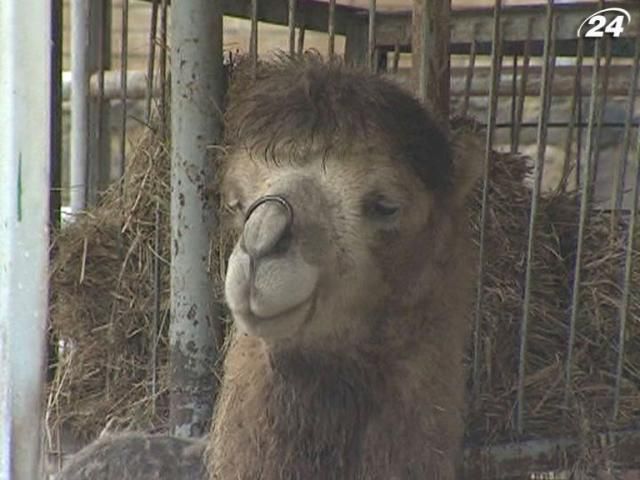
[379, 207]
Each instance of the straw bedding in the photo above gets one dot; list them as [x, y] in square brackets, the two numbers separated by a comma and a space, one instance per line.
[114, 369]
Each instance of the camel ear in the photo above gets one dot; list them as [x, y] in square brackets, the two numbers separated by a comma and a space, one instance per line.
[467, 151]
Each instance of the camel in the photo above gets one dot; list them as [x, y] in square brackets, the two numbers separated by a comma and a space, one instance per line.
[138, 456]
[349, 286]
[349, 283]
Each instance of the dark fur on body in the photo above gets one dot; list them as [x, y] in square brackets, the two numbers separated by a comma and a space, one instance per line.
[387, 404]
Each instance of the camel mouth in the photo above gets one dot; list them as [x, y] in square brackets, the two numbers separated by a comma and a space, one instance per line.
[280, 325]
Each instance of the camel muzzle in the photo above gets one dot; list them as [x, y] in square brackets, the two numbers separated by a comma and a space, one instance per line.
[267, 223]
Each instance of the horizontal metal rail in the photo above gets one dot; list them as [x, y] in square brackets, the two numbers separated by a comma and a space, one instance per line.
[552, 458]
[137, 84]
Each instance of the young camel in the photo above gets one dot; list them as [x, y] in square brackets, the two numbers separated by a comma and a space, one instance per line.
[349, 284]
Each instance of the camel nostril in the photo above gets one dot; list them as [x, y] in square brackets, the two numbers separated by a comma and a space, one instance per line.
[267, 227]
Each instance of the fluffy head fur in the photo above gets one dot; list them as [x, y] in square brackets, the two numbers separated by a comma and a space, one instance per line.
[349, 283]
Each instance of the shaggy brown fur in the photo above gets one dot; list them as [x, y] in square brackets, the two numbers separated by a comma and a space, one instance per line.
[297, 103]
[137, 456]
[381, 399]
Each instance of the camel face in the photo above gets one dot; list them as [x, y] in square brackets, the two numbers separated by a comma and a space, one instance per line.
[349, 282]
[334, 231]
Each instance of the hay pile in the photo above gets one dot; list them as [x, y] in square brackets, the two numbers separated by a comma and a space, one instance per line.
[113, 369]
[103, 304]
[492, 411]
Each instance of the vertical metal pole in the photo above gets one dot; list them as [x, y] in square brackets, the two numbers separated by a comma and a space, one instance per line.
[55, 156]
[79, 149]
[545, 94]
[514, 94]
[432, 42]
[124, 57]
[253, 39]
[25, 102]
[152, 59]
[301, 34]
[196, 126]
[156, 275]
[491, 125]
[331, 49]
[396, 58]
[468, 81]
[585, 198]
[371, 43]
[522, 94]
[99, 109]
[162, 66]
[577, 85]
[602, 105]
[292, 26]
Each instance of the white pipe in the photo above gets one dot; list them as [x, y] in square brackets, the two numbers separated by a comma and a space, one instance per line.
[79, 149]
[137, 85]
[25, 116]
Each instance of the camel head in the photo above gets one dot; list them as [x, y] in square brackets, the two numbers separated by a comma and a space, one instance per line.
[344, 200]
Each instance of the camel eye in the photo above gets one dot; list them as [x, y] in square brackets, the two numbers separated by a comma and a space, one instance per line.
[380, 208]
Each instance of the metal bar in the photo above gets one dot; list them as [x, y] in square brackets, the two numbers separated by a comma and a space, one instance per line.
[162, 67]
[572, 117]
[152, 59]
[124, 57]
[301, 34]
[253, 37]
[559, 124]
[628, 272]
[603, 103]
[579, 133]
[292, 26]
[302, 21]
[491, 120]
[585, 198]
[331, 28]
[55, 155]
[469, 78]
[396, 59]
[621, 164]
[137, 86]
[155, 324]
[197, 88]
[552, 457]
[533, 216]
[79, 149]
[431, 38]
[514, 94]
[371, 38]
[526, 60]
[25, 145]
[99, 174]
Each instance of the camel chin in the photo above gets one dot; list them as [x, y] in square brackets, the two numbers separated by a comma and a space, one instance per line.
[273, 298]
